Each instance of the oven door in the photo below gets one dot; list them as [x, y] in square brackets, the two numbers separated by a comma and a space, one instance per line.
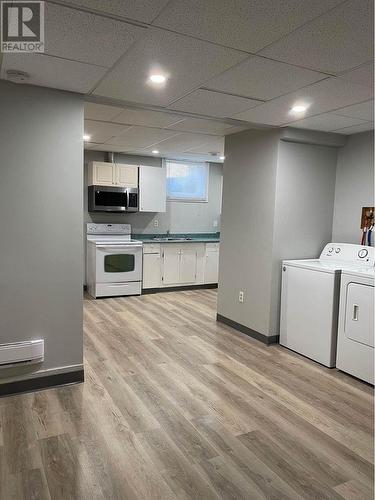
[118, 263]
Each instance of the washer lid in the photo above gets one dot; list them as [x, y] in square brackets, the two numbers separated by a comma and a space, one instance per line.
[315, 265]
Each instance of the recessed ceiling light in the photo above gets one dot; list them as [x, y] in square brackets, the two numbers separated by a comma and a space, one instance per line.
[155, 151]
[158, 78]
[221, 157]
[86, 137]
[299, 108]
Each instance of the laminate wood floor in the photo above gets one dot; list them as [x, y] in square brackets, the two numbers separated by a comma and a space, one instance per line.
[176, 405]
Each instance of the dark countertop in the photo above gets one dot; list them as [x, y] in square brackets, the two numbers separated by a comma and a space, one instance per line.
[193, 238]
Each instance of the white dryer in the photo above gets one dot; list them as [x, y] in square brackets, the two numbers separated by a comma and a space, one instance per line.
[310, 300]
[355, 343]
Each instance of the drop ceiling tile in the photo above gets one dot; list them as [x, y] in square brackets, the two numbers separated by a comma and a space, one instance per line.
[356, 128]
[140, 10]
[323, 96]
[363, 75]
[326, 122]
[262, 78]
[53, 72]
[100, 132]
[180, 142]
[81, 36]
[108, 147]
[235, 129]
[186, 62]
[101, 112]
[364, 111]
[334, 42]
[216, 104]
[213, 145]
[91, 145]
[244, 24]
[147, 118]
[140, 137]
[202, 126]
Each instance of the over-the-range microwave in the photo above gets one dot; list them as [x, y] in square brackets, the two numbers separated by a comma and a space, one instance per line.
[112, 199]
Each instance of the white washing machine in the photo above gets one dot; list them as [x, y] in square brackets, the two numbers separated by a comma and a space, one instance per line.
[310, 300]
[355, 343]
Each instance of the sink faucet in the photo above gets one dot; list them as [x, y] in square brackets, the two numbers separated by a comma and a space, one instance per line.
[168, 233]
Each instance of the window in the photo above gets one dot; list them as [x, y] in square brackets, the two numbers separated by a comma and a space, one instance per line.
[187, 181]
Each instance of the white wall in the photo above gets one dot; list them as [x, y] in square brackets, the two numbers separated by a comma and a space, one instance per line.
[41, 223]
[305, 188]
[277, 203]
[247, 228]
[354, 186]
[180, 217]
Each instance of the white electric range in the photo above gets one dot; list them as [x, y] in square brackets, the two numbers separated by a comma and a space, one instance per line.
[114, 261]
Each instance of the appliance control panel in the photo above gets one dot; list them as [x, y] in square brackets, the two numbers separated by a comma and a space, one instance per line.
[349, 253]
[93, 228]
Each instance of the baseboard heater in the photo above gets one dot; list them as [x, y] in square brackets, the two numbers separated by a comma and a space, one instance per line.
[29, 351]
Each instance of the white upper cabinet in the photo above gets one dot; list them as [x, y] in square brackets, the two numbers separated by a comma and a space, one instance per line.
[152, 189]
[126, 175]
[112, 174]
[102, 174]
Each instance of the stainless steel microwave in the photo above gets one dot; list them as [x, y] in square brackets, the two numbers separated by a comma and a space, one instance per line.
[112, 199]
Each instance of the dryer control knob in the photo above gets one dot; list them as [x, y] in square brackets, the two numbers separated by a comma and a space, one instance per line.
[338, 250]
[362, 253]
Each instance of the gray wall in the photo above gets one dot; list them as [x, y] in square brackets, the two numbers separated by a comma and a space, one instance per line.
[247, 227]
[305, 190]
[180, 217]
[41, 223]
[277, 203]
[354, 186]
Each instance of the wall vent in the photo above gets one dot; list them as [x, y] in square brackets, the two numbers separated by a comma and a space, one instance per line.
[29, 351]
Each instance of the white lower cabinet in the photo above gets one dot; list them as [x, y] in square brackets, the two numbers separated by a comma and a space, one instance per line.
[211, 268]
[188, 264]
[179, 264]
[170, 264]
[151, 270]
[182, 263]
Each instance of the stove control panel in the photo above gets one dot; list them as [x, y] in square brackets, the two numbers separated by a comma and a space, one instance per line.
[93, 228]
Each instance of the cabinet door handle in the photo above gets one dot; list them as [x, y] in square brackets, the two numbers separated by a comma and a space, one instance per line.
[355, 312]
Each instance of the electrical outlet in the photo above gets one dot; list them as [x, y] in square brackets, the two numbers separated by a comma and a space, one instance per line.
[156, 223]
[215, 224]
[240, 296]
